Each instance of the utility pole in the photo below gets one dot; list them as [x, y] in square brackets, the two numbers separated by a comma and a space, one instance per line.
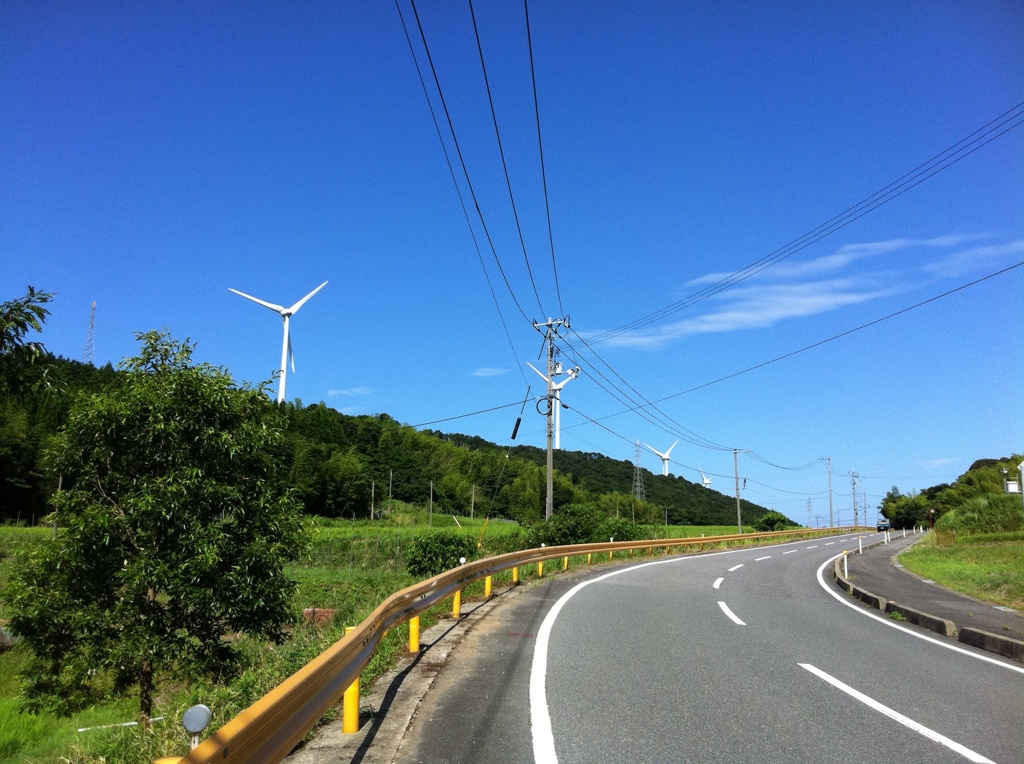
[736, 469]
[88, 353]
[550, 332]
[853, 486]
[391, 478]
[810, 512]
[828, 463]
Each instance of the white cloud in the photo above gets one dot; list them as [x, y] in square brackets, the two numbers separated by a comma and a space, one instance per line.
[351, 391]
[488, 371]
[934, 464]
[965, 261]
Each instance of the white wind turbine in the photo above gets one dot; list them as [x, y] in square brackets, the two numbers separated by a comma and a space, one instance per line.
[704, 479]
[556, 388]
[663, 457]
[286, 344]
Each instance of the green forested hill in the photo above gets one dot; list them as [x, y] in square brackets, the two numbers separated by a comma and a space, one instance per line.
[348, 466]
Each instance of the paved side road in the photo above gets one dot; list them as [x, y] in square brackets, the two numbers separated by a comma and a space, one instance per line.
[878, 571]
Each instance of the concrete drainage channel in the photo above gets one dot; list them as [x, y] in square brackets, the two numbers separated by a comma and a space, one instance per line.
[994, 643]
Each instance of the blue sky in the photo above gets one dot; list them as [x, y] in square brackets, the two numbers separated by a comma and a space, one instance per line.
[152, 155]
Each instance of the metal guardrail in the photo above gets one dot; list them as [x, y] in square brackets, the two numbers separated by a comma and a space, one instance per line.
[271, 727]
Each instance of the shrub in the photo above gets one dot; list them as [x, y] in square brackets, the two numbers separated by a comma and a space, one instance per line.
[772, 521]
[571, 524]
[618, 528]
[435, 553]
[991, 513]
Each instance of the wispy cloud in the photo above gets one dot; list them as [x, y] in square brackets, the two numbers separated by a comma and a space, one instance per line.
[488, 371]
[967, 261]
[803, 288]
[934, 464]
[350, 391]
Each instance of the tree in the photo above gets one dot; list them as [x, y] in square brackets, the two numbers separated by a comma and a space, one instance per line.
[772, 521]
[17, 318]
[174, 529]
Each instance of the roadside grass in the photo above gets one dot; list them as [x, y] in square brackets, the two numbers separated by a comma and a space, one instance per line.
[987, 566]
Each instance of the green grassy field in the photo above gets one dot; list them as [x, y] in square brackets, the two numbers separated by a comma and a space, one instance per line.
[987, 566]
[351, 567]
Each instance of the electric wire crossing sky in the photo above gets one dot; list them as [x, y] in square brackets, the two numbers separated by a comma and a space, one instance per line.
[286, 344]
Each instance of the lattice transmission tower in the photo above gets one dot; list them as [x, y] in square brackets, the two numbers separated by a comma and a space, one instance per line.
[88, 353]
[638, 480]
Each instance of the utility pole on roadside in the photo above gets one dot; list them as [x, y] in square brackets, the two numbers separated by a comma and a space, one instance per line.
[828, 464]
[736, 470]
[550, 332]
[853, 486]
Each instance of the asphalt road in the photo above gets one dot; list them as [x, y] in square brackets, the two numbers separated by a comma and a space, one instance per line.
[743, 656]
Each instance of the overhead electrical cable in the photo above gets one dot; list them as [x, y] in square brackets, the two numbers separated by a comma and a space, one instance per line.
[462, 161]
[996, 128]
[471, 413]
[540, 148]
[458, 192]
[501, 152]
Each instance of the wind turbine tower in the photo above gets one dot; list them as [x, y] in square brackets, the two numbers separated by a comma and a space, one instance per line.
[286, 344]
[662, 456]
[556, 389]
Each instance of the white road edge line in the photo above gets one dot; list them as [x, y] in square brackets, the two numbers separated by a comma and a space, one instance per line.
[732, 615]
[718, 582]
[735, 567]
[768, 557]
[906, 630]
[906, 721]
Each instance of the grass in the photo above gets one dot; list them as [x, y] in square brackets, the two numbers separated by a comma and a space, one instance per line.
[987, 566]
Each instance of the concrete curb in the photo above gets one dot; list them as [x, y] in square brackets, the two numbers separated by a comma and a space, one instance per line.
[984, 640]
[994, 643]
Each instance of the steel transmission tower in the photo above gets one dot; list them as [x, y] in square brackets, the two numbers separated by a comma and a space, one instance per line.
[639, 494]
[88, 353]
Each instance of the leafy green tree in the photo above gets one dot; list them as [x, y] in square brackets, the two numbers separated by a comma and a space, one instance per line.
[772, 521]
[174, 530]
[17, 318]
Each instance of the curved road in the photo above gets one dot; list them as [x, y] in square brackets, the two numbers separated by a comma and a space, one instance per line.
[748, 655]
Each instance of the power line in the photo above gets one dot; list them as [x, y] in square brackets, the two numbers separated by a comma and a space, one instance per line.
[501, 152]
[462, 201]
[540, 148]
[941, 161]
[462, 160]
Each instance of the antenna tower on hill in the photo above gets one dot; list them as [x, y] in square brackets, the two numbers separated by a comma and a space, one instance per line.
[88, 353]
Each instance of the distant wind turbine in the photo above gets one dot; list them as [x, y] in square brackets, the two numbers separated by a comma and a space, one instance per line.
[286, 344]
[663, 457]
[556, 388]
[704, 479]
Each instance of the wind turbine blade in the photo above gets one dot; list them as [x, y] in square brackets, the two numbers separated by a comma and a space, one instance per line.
[264, 303]
[660, 455]
[670, 449]
[295, 308]
[535, 369]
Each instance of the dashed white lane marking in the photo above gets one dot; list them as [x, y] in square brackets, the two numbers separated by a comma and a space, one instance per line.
[735, 567]
[718, 582]
[813, 547]
[732, 615]
[830, 543]
[767, 557]
[906, 721]
[791, 551]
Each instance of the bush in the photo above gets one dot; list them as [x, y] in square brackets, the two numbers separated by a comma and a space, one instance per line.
[435, 553]
[772, 521]
[991, 513]
[618, 528]
[571, 524]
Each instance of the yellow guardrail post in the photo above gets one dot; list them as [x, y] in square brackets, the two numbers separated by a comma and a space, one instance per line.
[588, 558]
[540, 569]
[457, 604]
[350, 703]
[611, 541]
[565, 563]
[487, 587]
[414, 634]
